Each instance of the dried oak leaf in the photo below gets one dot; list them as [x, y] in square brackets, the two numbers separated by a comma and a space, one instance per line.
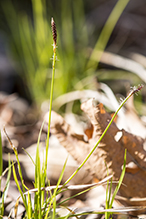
[110, 151]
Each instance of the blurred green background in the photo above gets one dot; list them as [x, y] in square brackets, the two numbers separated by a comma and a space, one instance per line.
[84, 27]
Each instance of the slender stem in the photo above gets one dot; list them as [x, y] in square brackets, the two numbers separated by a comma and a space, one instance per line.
[19, 166]
[50, 107]
[54, 34]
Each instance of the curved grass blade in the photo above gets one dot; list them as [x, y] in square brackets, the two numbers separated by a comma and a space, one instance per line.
[5, 192]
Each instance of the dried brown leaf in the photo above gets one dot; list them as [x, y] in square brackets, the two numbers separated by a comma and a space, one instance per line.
[110, 150]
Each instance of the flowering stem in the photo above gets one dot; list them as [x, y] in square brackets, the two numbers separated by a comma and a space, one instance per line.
[54, 33]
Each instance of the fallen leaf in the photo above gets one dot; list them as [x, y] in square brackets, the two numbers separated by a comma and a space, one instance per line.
[110, 151]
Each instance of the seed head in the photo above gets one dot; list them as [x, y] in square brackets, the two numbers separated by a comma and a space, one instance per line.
[54, 31]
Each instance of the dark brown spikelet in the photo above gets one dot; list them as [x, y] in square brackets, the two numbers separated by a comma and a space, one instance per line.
[54, 31]
[138, 89]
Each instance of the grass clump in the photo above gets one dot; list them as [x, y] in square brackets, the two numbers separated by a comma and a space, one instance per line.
[45, 205]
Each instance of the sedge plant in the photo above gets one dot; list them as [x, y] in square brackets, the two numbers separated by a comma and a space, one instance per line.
[40, 172]
[43, 207]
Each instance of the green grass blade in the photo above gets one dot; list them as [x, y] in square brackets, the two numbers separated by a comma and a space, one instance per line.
[18, 186]
[39, 198]
[54, 208]
[29, 156]
[5, 192]
[55, 191]
[17, 158]
[61, 175]
[29, 203]
[110, 190]
[107, 31]
[120, 180]
[38, 184]
[79, 193]
[107, 200]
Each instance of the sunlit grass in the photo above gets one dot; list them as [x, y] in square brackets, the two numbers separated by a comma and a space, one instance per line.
[30, 40]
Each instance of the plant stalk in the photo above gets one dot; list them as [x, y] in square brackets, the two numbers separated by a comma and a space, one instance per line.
[51, 91]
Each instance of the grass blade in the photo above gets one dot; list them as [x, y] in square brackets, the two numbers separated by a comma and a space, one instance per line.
[120, 180]
[55, 191]
[29, 206]
[39, 180]
[38, 184]
[107, 31]
[5, 192]
[18, 186]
